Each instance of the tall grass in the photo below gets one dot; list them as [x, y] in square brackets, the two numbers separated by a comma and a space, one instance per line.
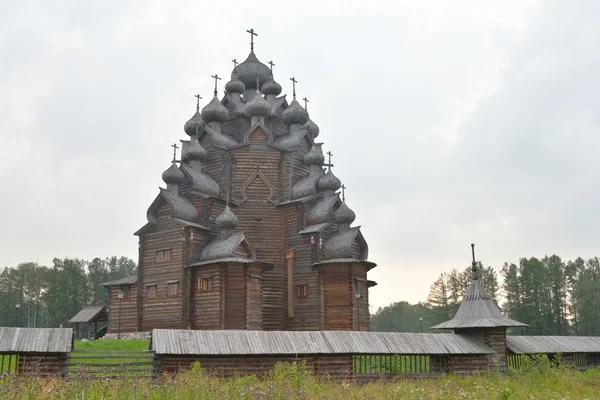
[292, 381]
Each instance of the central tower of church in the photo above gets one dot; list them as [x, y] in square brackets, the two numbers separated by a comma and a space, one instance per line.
[251, 231]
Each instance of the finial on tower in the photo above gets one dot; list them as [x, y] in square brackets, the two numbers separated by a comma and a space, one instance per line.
[252, 34]
[294, 81]
[474, 264]
[306, 101]
[272, 64]
[175, 147]
[217, 78]
[343, 192]
[197, 102]
[235, 63]
[329, 154]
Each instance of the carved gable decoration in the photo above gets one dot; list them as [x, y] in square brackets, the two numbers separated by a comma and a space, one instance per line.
[257, 186]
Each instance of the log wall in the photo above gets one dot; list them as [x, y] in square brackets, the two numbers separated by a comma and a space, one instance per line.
[42, 364]
[495, 338]
[329, 366]
[163, 310]
[128, 308]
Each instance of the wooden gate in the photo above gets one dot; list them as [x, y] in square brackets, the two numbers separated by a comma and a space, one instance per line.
[111, 363]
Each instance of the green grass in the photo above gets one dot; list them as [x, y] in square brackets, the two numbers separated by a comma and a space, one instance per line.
[110, 344]
[292, 381]
[8, 363]
[87, 363]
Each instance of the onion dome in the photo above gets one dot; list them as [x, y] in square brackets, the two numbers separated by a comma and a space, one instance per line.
[235, 85]
[214, 111]
[295, 114]
[227, 219]
[314, 157]
[344, 215]
[194, 125]
[311, 128]
[250, 69]
[271, 87]
[195, 151]
[258, 106]
[329, 181]
[173, 175]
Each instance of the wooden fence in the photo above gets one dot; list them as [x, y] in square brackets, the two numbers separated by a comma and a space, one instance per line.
[9, 363]
[111, 363]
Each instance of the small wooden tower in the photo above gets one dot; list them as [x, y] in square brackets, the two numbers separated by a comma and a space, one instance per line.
[479, 316]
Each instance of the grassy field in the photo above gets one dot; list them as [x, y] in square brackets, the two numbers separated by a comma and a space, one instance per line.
[292, 381]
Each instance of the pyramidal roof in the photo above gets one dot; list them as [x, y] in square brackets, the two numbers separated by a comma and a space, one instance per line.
[477, 309]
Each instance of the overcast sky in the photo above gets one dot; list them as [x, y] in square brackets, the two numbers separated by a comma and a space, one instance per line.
[451, 122]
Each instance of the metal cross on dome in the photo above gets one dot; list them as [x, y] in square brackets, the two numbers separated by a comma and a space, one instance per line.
[272, 64]
[217, 78]
[175, 147]
[235, 63]
[306, 101]
[294, 81]
[252, 34]
[197, 101]
[343, 192]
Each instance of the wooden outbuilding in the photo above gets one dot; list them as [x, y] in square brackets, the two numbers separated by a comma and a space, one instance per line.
[480, 317]
[336, 354]
[96, 319]
[39, 351]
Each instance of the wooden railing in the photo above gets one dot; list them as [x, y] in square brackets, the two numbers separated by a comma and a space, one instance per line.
[396, 365]
[111, 363]
[9, 363]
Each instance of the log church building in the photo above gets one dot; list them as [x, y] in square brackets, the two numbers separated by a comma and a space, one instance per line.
[252, 230]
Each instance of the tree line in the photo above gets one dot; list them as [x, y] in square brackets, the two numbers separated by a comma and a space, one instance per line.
[33, 295]
[552, 296]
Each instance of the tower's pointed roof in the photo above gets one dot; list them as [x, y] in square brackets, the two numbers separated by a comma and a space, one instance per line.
[477, 309]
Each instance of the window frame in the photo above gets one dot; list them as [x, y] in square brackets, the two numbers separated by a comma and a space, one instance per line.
[301, 290]
[164, 255]
[151, 291]
[200, 284]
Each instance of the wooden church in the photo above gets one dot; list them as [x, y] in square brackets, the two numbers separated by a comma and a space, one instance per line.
[251, 231]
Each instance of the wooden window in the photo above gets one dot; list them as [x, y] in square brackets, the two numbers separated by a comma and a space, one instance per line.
[302, 290]
[125, 290]
[204, 284]
[290, 257]
[163, 255]
[173, 288]
[360, 287]
[255, 282]
[151, 291]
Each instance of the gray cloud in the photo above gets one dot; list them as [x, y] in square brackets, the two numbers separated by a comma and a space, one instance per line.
[448, 124]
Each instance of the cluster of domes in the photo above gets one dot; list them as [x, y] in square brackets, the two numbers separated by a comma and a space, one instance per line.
[329, 181]
[173, 175]
[195, 151]
[295, 114]
[227, 219]
[215, 111]
[235, 85]
[258, 106]
[344, 215]
[314, 157]
[194, 125]
[271, 87]
[249, 70]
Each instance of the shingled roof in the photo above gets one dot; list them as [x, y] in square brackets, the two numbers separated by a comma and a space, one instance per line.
[553, 344]
[90, 314]
[477, 309]
[130, 280]
[243, 342]
[36, 340]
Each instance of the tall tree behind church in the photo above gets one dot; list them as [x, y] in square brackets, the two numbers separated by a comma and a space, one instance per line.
[67, 290]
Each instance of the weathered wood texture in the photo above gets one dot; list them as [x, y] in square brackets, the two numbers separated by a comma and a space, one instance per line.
[328, 366]
[42, 364]
[495, 338]
[128, 308]
[468, 364]
[159, 309]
